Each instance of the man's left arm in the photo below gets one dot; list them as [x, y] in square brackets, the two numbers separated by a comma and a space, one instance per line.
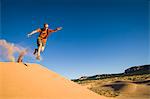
[57, 29]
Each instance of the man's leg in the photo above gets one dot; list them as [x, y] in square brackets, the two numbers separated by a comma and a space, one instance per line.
[42, 49]
[39, 50]
[35, 51]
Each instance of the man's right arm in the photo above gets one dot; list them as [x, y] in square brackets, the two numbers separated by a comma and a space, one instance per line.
[33, 32]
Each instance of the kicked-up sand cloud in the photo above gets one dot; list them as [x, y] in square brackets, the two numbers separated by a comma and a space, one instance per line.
[7, 51]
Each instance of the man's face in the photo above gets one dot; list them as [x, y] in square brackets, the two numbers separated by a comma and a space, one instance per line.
[46, 26]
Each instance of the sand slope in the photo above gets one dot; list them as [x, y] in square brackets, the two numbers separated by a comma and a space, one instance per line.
[134, 91]
[18, 81]
[120, 89]
[131, 90]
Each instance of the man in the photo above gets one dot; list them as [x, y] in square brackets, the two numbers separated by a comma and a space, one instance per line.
[41, 41]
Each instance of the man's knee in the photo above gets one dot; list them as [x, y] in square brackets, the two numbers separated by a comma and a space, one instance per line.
[42, 48]
[40, 45]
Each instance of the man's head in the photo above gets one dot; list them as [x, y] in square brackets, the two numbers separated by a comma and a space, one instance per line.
[46, 25]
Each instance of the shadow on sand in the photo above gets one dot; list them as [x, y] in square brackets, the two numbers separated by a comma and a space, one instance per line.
[147, 82]
[116, 87]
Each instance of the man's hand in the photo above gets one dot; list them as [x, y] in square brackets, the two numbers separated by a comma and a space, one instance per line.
[59, 28]
[33, 32]
[29, 35]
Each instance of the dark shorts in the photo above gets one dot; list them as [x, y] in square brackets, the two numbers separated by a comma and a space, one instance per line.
[39, 41]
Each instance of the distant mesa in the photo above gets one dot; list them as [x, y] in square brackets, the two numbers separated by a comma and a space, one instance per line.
[144, 69]
[135, 70]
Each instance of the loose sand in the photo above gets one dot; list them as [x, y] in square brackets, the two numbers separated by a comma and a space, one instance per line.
[18, 81]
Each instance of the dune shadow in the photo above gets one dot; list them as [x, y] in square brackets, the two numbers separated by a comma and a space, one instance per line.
[118, 81]
[143, 82]
[116, 87]
[148, 84]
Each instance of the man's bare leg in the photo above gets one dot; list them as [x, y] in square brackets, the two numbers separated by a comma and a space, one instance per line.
[39, 51]
[42, 49]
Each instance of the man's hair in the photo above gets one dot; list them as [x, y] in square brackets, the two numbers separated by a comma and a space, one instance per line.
[45, 24]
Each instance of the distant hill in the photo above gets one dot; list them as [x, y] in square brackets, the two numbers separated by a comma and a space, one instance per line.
[144, 69]
[134, 70]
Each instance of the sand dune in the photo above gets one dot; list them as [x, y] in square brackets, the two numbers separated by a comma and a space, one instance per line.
[134, 91]
[120, 89]
[18, 81]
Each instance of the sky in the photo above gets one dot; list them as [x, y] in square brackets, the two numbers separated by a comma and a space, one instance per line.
[98, 36]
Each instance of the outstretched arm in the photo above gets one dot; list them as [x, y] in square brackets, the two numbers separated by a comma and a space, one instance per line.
[57, 29]
[33, 32]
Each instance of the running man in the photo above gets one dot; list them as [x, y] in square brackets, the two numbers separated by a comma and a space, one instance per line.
[42, 38]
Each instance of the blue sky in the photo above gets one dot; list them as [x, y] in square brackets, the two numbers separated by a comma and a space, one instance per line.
[98, 36]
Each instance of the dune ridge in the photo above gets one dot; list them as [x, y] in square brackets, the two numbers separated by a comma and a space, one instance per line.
[33, 81]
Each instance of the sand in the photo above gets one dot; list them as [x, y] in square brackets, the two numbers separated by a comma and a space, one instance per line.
[18, 81]
[126, 89]
[134, 91]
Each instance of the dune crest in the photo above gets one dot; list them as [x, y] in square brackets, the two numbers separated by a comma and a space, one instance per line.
[33, 81]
